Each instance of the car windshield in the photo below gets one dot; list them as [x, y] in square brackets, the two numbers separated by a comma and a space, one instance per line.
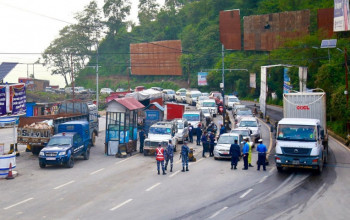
[158, 130]
[180, 125]
[191, 117]
[183, 94]
[248, 124]
[227, 139]
[205, 110]
[208, 104]
[171, 92]
[195, 95]
[242, 132]
[59, 141]
[296, 133]
[233, 100]
[244, 112]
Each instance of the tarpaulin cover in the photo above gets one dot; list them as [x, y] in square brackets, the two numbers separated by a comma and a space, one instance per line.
[129, 103]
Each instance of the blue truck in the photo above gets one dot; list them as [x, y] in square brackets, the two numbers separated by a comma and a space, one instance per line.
[72, 140]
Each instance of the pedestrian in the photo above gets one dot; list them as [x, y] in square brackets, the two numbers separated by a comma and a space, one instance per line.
[142, 139]
[169, 155]
[160, 158]
[250, 154]
[190, 132]
[199, 134]
[261, 154]
[211, 144]
[235, 152]
[222, 129]
[245, 153]
[205, 143]
[184, 155]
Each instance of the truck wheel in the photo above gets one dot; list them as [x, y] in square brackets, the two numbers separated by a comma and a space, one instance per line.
[280, 169]
[93, 139]
[319, 170]
[42, 165]
[87, 154]
[70, 163]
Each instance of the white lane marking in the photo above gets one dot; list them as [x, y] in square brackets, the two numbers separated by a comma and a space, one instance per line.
[121, 204]
[174, 173]
[11, 206]
[119, 162]
[97, 171]
[64, 184]
[152, 187]
[272, 169]
[218, 212]
[263, 179]
[246, 193]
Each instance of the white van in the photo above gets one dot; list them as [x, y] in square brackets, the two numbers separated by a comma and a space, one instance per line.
[191, 97]
[231, 101]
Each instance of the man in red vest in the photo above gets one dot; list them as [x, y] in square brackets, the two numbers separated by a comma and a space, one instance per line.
[160, 158]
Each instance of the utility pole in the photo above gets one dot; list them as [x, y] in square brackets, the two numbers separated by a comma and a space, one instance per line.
[97, 92]
[223, 86]
[71, 64]
[346, 86]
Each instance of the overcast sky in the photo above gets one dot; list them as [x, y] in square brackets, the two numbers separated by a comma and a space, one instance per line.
[29, 26]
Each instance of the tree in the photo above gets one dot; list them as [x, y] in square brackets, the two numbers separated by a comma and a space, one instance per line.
[148, 10]
[116, 11]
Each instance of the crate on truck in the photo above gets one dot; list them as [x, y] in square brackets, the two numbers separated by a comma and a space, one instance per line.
[302, 138]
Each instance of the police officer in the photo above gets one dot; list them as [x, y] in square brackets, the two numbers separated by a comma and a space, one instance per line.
[199, 134]
[190, 132]
[261, 154]
[245, 153]
[169, 155]
[184, 155]
[205, 143]
[142, 139]
[222, 129]
[211, 144]
[160, 158]
[235, 152]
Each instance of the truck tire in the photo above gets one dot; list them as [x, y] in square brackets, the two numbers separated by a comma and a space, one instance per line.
[42, 165]
[87, 154]
[93, 139]
[280, 169]
[70, 163]
[319, 170]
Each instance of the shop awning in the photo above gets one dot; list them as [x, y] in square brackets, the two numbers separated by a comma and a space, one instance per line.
[129, 103]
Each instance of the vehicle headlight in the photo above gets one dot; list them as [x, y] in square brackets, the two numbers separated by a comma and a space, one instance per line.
[41, 153]
[62, 153]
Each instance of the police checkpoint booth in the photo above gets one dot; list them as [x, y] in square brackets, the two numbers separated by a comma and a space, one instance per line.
[121, 126]
[153, 113]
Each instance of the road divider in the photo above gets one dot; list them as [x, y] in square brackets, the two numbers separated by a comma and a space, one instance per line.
[18, 203]
[120, 205]
[152, 187]
[58, 187]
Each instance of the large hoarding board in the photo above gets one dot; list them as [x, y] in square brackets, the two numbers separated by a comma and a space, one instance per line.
[156, 58]
[325, 20]
[270, 31]
[341, 15]
[230, 29]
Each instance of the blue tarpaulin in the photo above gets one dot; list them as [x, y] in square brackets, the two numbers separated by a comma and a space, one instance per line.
[5, 68]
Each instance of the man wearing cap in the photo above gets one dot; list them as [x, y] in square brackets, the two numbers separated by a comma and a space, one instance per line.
[160, 158]
[261, 154]
[142, 139]
[190, 132]
[205, 143]
[169, 155]
[199, 134]
[245, 153]
[235, 152]
[184, 155]
[211, 144]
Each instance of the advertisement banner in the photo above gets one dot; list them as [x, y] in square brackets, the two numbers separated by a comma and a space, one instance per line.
[252, 83]
[2, 101]
[18, 95]
[202, 79]
[286, 84]
[341, 15]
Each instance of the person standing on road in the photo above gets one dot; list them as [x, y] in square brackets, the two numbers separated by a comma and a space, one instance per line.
[245, 153]
[235, 152]
[184, 155]
[261, 154]
[222, 129]
[142, 139]
[205, 143]
[169, 155]
[199, 134]
[250, 154]
[160, 158]
[190, 132]
[211, 144]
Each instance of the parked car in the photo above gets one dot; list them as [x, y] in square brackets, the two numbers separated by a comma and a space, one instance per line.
[253, 125]
[106, 91]
[180, 97]
[191, 97]
[243, 112]
[157, 88]
[230, 101]
[182, 130]
[60, 91]
[80, 90]
[169, 94]
[246, 133]
[91, 91]
[222, 148]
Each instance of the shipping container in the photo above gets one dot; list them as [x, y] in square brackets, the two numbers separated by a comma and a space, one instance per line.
[174, 111]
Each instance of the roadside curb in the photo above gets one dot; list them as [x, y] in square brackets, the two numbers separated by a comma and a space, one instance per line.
[339, 139]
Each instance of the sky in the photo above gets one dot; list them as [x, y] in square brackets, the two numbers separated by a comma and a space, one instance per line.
[29, 26]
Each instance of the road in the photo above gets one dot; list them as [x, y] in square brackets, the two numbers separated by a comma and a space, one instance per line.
[129, 188]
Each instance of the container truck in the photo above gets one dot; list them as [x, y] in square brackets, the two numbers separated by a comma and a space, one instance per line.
[302, 138]
[173, 111]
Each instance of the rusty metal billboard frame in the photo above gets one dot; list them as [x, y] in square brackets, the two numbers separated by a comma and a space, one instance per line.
[230, 29]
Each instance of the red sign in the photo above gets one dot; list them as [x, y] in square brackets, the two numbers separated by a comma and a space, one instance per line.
[303, 107]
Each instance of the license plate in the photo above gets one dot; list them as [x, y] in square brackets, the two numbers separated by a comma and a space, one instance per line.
[295, 162]
[225, 152]
[51, 158]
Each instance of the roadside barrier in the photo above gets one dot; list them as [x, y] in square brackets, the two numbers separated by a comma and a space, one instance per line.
[9, 175]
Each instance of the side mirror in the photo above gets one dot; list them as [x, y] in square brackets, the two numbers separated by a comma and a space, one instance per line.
[322, 134]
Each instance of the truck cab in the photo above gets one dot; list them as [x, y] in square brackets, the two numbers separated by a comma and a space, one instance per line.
[73, 140]
[194, 117]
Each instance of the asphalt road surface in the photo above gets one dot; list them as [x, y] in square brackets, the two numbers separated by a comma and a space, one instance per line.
[106, 187]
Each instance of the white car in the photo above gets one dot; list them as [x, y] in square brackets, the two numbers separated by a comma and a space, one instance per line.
[106, 91]
[180, 97]
[191, 97]
[222, 148]
[253, 125]
[231, 101]
[182, 130]
[169, 94]
[210, 104]
[246, 133]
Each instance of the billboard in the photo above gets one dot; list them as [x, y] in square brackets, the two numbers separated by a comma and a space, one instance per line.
[341, 15]
[286, 82]
[13, 99]
[270, 31]
[202, 79]
[252, 80]
[325, 20]
[156, 58]
[230, 29]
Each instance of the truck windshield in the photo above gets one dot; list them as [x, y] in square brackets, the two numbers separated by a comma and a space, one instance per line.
[59, 141]
[296, 133]
[233, 100]
[208, 104]
[191, 117]
[227, 139]
[248, 124]
[157, 130]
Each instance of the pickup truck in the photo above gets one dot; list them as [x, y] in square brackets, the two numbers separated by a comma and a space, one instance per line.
[36, 131]
[73, 140]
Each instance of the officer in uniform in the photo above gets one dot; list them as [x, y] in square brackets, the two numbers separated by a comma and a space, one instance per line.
[261, 154]
[160, 158]
[222, 129]
[205, 143]
[190, 132]
[184, 155]
[211, 144]
[169, 155]
[235, 152]
[245, 153]
[142, 139]
[199, 134]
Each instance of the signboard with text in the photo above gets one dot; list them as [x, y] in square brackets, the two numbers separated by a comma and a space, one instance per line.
[202, 78]
[341, 15]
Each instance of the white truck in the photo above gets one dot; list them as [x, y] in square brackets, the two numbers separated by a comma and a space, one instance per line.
[302, 139]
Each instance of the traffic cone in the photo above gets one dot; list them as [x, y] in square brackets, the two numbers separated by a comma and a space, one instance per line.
[9, 175]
